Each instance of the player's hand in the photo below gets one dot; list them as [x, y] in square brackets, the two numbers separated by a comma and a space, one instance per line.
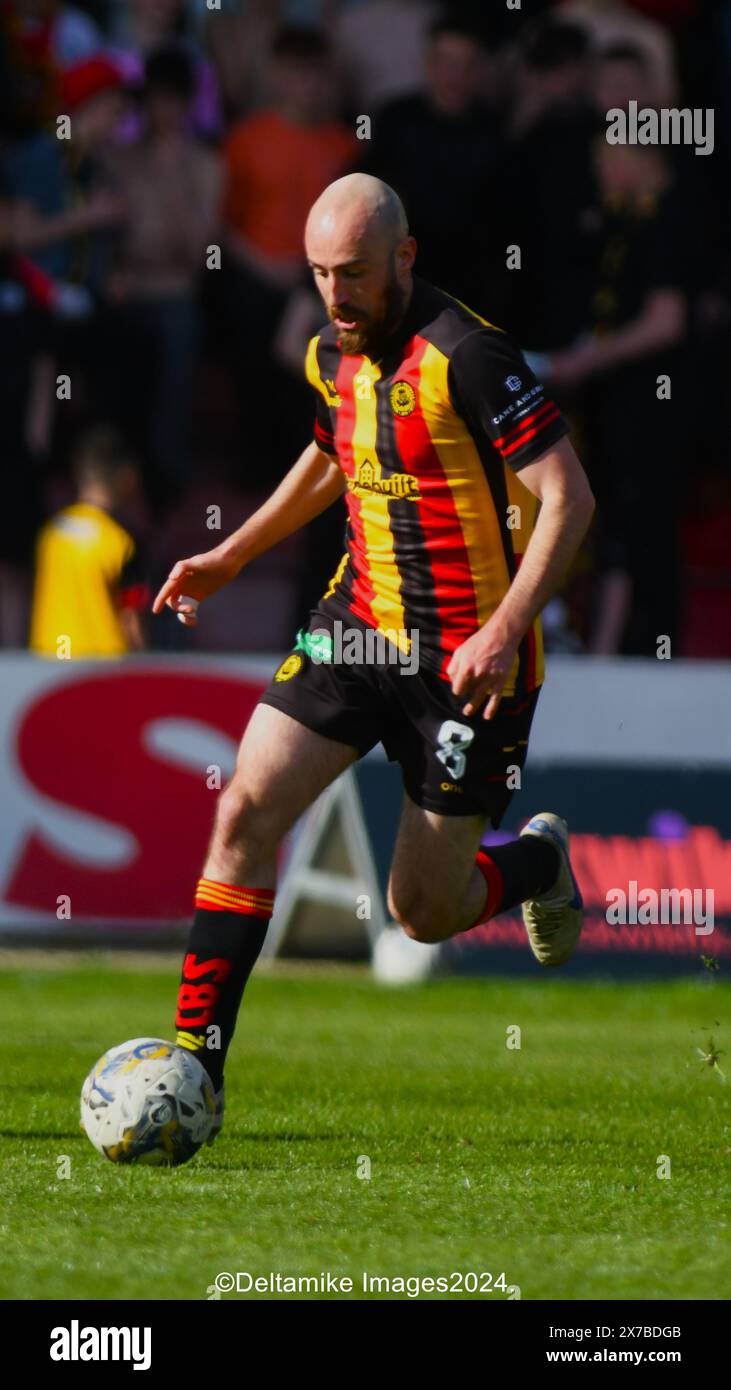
[480, 668]
[192, 580]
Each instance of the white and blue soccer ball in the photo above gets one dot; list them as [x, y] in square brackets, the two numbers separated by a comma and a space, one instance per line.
[148, 1101]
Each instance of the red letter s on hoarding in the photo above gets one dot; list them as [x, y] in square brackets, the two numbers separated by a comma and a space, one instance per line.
[82, 745]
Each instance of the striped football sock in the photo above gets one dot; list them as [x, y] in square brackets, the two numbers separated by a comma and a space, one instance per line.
[227, 935]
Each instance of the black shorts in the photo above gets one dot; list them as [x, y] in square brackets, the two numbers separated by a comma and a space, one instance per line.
[451, 763]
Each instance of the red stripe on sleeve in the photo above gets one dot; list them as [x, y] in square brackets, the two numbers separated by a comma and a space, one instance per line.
[524, 439]
[523, 424]
[324, 437]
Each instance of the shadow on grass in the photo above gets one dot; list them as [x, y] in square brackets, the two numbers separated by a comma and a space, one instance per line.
[285, 1137]
[40, 1134]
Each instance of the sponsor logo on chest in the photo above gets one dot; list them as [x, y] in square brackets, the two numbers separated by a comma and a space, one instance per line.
[399, 485]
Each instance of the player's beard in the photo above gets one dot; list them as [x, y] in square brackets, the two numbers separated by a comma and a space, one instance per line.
[370, 338]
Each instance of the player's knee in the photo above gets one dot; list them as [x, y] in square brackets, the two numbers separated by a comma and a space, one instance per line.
[424, 927]
[419, 917]
[240, 821]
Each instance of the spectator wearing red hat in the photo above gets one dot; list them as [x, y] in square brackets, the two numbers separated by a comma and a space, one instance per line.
[87, 79]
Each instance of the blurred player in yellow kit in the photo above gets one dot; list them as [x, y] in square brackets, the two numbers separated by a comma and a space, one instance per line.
[89, 585]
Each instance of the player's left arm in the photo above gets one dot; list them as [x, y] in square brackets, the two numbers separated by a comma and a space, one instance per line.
[493, 389]
[481, 666]
[496, 394]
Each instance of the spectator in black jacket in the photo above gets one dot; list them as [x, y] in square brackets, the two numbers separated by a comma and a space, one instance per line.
[441, 151]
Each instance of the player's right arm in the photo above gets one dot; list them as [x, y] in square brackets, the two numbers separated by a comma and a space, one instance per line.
[311, 485]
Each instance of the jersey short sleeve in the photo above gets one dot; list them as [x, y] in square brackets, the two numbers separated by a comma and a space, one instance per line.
[323, 431]
[495, 392]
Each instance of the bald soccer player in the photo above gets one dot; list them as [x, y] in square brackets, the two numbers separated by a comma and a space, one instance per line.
[431, 426]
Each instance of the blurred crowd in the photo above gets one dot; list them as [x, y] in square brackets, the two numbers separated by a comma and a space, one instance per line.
[157, 161]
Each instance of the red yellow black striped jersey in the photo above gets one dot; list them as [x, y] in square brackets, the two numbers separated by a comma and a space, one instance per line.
[431, 439]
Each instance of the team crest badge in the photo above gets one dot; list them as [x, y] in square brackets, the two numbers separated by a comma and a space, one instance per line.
[289, 667]
[402, 398]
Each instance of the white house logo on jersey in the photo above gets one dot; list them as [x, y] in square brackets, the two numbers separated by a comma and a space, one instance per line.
[513, 383]
[454, 739]
[398, 485]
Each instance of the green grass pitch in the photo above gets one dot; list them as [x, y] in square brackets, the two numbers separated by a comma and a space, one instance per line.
[540, 1162]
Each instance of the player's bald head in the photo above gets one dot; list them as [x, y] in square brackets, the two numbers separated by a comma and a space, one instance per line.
[359, 212]
[358, 246]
